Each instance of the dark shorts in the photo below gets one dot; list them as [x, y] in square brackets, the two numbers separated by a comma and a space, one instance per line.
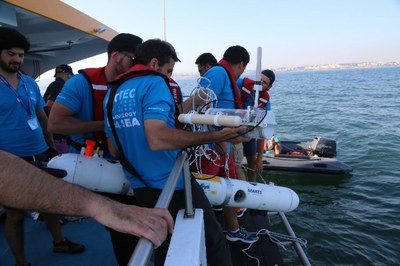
[250, 148]
[42, 158]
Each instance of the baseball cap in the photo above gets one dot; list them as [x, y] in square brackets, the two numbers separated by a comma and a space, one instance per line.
[124, 42]
[63, 69]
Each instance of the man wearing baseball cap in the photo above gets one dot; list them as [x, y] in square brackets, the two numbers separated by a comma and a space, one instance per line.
[63, 69]
[78, 109]
[62, 73]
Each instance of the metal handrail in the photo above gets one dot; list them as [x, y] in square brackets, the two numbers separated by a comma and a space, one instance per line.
[189, 212]
[299, 250]
[144, 248]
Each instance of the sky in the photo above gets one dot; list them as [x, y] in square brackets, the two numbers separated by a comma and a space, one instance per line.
[291, 33]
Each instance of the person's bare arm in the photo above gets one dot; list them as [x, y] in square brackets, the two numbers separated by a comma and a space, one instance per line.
[42, 119]
[49, 104]
[161, 137]
[24, 186]
[260, 151]
[62, 121]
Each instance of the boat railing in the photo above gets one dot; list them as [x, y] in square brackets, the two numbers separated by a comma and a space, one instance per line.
[297, 247]
[144, 248]
[143, 251]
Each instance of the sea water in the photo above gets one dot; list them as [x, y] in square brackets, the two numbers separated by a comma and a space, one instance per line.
[352, 219]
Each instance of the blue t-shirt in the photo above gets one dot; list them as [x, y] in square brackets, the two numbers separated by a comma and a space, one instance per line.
[16, 135]
[77, 96]
[250, 100]
[221, 85]
[139, 99]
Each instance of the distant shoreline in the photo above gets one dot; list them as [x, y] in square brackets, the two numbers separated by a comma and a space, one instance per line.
[43, 83]
[339, 66]
[311, 68]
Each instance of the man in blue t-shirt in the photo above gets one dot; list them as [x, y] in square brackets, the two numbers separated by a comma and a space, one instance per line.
[78, 109]
[143, 114]
[204, 62]
[222, 80]
[23, 133]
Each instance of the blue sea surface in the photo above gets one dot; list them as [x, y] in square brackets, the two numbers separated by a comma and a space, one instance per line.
[352, 219]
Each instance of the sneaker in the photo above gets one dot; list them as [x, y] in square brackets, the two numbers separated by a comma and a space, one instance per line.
[240, 212]
[242, 235]
[68, 247]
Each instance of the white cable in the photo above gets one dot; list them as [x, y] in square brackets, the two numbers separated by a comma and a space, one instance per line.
[274, 237]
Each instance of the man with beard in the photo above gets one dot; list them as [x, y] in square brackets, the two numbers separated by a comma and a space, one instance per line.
[23, 133]
[78, 109]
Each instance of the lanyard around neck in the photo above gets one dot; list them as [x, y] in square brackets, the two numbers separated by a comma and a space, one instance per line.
[26, 106]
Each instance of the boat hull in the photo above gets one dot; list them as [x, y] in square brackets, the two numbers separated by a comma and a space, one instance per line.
[305, 164]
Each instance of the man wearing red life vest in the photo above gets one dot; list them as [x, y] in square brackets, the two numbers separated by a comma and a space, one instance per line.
[141, 127]
[253, 150]
[221, 79]
[78, 109]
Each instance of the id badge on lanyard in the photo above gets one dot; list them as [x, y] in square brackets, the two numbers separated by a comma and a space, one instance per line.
[32, 121]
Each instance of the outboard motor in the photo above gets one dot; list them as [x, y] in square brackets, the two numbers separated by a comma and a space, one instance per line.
[324, 147]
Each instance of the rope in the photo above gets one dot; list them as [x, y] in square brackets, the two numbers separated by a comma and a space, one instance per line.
[275, 238]
[209, 98]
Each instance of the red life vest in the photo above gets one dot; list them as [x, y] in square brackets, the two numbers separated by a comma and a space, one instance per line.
[176, 93]
[97, 80]
[142, 70]
[225, 64]
[245, 92]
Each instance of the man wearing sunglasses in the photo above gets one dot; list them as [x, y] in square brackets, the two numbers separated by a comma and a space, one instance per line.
[78, 109]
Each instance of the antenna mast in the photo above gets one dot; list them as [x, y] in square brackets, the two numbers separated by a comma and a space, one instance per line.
[165, 21]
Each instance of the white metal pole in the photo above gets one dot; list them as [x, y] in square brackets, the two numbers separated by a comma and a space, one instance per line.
[141, 254]
[257, 86]
[165, 21]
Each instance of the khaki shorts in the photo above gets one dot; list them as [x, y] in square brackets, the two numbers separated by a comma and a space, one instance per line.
[237, 150]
